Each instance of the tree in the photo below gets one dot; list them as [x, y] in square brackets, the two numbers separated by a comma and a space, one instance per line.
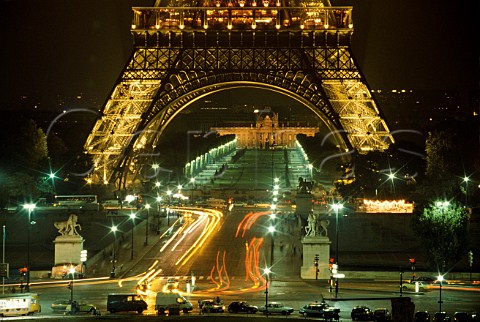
[440, 157]
[24, 148]
[442, 227]
[23, 145]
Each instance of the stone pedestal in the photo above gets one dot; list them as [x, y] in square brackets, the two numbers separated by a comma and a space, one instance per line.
[67, 253]
[304, 205]
[315, 245]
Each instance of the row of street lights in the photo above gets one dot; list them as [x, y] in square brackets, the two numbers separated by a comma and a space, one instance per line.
[271, 230]
[114, 229]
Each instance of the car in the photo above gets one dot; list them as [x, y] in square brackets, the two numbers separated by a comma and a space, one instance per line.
[322, 310]
[59, 306]
[361, 313]
[441, 317]
[211, 306]
[276, 307]
[421, 316]
[412, 286]
[429, 280]
[382, 315]
[475, 317]
[462, 317]
[241, 307]
[80, 308]
[172, 284]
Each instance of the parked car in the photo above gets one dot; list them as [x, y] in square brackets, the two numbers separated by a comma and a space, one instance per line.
[276, 307]
[361, 313]
[462, 317]
[441, 317]
[322, 310]
[241, 307]
[421, 316]
[59, 306]
[211, 306]
[412, 286]
[475, 317]
[382, 315]
[430, 280]
[80, 308]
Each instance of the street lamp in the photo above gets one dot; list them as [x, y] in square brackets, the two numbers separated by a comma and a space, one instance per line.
[159, 200]
[192, 181]
[147, 206]
[30, 207]
[440, 279]
[442, 204]
[71, 271]
[271, 230]
[169, 194]
[114, 259]
[466, 179]
[336, 207]
[267, 272]
[132, 217]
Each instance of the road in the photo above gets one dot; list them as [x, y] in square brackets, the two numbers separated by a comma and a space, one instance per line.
[227, 253]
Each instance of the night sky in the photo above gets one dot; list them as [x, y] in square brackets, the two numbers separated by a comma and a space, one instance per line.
[72, 47]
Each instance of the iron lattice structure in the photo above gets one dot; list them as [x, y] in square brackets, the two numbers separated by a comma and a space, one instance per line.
[182, 53]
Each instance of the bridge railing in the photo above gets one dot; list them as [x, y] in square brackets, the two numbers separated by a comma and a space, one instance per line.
[241, 18]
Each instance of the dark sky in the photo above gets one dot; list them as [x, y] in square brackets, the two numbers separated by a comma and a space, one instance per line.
[71, 47]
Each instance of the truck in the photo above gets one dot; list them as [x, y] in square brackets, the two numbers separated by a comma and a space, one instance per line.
[172, 302]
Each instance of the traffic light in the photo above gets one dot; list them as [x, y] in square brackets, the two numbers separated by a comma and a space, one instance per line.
[412, 263]
[23, 271]
[412, 266]
[69, 285]
[470, 258]
[330, 263]
[317, 257]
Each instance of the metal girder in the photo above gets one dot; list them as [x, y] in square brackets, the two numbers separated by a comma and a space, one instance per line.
[114, 130]
[358, 113]
[306, 57]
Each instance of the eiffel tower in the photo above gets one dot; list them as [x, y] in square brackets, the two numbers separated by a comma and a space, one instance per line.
[184, 50]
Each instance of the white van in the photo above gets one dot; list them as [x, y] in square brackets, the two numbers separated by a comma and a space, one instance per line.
[172, 301]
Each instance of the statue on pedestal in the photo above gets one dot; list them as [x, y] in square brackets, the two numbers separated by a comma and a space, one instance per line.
[68, 227]
[316, 227]
[68, 246]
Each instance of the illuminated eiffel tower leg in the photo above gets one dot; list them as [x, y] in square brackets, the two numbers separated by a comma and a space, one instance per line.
[184, 53]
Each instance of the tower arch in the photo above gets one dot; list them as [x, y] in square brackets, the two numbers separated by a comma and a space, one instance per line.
[184, 53]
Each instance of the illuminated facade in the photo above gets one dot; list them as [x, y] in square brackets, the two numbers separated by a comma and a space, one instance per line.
[385, 206]
[266, 133]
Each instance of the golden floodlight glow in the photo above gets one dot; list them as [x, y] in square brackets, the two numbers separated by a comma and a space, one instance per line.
[387, 206]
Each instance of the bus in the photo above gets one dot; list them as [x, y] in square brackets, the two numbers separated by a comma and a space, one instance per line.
[19, 304]
[216, 203]
[84, 202]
